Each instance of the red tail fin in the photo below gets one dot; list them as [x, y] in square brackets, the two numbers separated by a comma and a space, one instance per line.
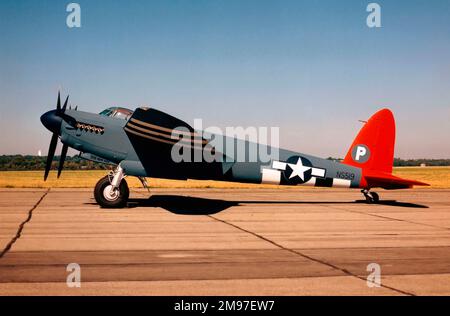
[373, 148]
[373, 152]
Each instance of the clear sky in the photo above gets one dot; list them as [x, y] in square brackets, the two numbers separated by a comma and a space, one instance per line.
[313, 68]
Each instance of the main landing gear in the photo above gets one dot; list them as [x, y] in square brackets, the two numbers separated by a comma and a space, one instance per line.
[112, 190]
[371, 197]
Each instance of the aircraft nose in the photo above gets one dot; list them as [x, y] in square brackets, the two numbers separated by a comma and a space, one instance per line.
[52, 121]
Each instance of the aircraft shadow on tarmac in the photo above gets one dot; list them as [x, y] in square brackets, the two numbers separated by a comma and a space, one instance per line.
[186, 205]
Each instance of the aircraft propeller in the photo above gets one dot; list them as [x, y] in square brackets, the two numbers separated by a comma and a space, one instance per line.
[52, 120]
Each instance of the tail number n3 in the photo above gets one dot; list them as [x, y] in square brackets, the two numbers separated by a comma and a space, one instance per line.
[345, 175]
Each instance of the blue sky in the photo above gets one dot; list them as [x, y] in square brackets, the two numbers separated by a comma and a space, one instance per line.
[313, 68]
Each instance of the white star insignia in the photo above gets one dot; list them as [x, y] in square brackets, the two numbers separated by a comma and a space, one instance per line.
[298, 170]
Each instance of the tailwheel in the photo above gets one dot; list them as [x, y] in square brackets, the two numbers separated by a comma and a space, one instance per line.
[112, 193]
[371, 197]
[375, 197]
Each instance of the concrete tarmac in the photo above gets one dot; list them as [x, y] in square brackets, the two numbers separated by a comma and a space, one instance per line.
[225, 242]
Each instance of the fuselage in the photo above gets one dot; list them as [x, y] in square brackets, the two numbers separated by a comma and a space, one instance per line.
[106, 138]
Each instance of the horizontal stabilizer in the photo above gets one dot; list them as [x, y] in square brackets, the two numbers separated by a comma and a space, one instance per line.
[388, 181]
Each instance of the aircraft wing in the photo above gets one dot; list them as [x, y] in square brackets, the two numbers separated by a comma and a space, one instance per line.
[154, 134]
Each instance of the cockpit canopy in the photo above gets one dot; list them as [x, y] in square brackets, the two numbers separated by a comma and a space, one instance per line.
[117, 112]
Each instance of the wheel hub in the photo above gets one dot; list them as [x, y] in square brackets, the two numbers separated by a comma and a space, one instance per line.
[111, 194]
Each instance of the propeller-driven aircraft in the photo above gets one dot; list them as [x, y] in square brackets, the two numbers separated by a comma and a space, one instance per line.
[140, 143]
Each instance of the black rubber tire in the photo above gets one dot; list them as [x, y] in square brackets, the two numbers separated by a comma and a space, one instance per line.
[121, 200]
[375, 197]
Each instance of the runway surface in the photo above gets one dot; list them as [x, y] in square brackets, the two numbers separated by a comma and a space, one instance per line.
[225, 242]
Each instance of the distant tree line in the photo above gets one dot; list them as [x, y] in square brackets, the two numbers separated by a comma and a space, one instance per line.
[417, 162]
[28, 162]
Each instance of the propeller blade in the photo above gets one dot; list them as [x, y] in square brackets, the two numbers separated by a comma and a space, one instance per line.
[65, 105]
[58, 104]
[50, 155]
[63, 158]
[69, 120]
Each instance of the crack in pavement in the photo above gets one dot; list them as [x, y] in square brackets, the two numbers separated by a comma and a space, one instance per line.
[296, 252]
[22, 225]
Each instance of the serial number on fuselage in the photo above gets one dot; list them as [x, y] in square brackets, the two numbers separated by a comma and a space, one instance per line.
[345, 175]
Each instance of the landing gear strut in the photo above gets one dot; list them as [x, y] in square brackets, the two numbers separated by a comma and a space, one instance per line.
[371, 197]
[112, 190]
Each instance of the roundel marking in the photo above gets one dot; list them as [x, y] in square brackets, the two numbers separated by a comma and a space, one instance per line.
[298, 170]
[360, 153]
